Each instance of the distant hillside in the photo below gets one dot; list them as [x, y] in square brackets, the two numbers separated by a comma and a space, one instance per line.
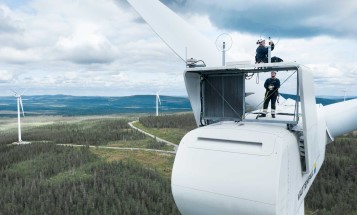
[66, 105]
[92, 105]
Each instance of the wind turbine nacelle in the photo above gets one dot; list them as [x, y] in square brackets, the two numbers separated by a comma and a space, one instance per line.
[236, 168]
[236, 164]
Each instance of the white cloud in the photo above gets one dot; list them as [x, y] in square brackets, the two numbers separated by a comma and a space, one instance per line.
[297, 18]
[71, 75]
[86, 47]
[5, 76]
[13, 55]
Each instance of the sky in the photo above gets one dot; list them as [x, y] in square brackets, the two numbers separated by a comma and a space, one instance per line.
[104, 48]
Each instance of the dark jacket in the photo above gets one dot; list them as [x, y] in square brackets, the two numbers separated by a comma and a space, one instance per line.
[275, 82]
[261, 54]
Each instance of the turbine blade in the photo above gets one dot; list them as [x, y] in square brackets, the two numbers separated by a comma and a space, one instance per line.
[22, 107]
[181, 38]
[23, 91]
[159, 99]
[343, 122]
[13, 91]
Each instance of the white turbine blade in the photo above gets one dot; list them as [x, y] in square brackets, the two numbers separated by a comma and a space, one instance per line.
[13, 91]
[158, 97]
[341, 117]
[176, 33]
[23, 91]
[22, 107]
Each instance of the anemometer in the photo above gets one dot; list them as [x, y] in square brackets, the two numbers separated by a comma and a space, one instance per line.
[224, 43]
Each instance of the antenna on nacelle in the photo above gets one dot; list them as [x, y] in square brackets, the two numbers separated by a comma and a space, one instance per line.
[224, 43]
[271, 33]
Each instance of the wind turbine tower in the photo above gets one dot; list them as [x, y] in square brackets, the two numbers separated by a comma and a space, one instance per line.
[19, 104]
[157, 102]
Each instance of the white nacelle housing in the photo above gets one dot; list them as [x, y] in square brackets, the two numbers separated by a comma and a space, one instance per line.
[237, 164]
[226, 168]
[221, 93]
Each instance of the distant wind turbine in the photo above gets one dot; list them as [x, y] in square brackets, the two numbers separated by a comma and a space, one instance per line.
[19, 103]
[344, 96]
[157, 102]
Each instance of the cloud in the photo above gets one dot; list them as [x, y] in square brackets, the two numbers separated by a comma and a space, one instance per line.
[13, 55]
[7, 22]
[86, 45]
[5, 76]
[71, 75]
[293, 18]
[332, 79]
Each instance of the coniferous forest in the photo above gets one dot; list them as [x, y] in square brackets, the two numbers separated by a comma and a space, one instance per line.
[45, 178]
[186, 121]
[86, 132]
[335, 189]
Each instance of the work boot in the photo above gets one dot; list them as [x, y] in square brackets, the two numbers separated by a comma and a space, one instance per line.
[262, 115]
[273, 115]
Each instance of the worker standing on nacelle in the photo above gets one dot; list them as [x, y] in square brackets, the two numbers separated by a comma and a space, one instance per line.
[271, 85]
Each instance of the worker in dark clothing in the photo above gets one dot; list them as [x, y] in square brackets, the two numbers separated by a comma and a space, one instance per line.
[271, 85]
[261, 55]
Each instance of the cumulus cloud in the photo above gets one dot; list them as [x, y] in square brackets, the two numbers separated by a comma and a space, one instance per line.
[64, 45]
[13, 55]
[5, 76]
[84, 47]
[294, 18]
[7, 22]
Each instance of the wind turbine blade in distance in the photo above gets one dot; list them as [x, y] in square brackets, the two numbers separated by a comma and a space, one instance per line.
[23, 91]
[22, 107]
[13, 91]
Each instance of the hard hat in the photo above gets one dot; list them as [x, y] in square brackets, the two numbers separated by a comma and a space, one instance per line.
[261, 40]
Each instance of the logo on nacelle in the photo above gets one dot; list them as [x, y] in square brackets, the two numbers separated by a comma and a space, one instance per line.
[303, 188]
